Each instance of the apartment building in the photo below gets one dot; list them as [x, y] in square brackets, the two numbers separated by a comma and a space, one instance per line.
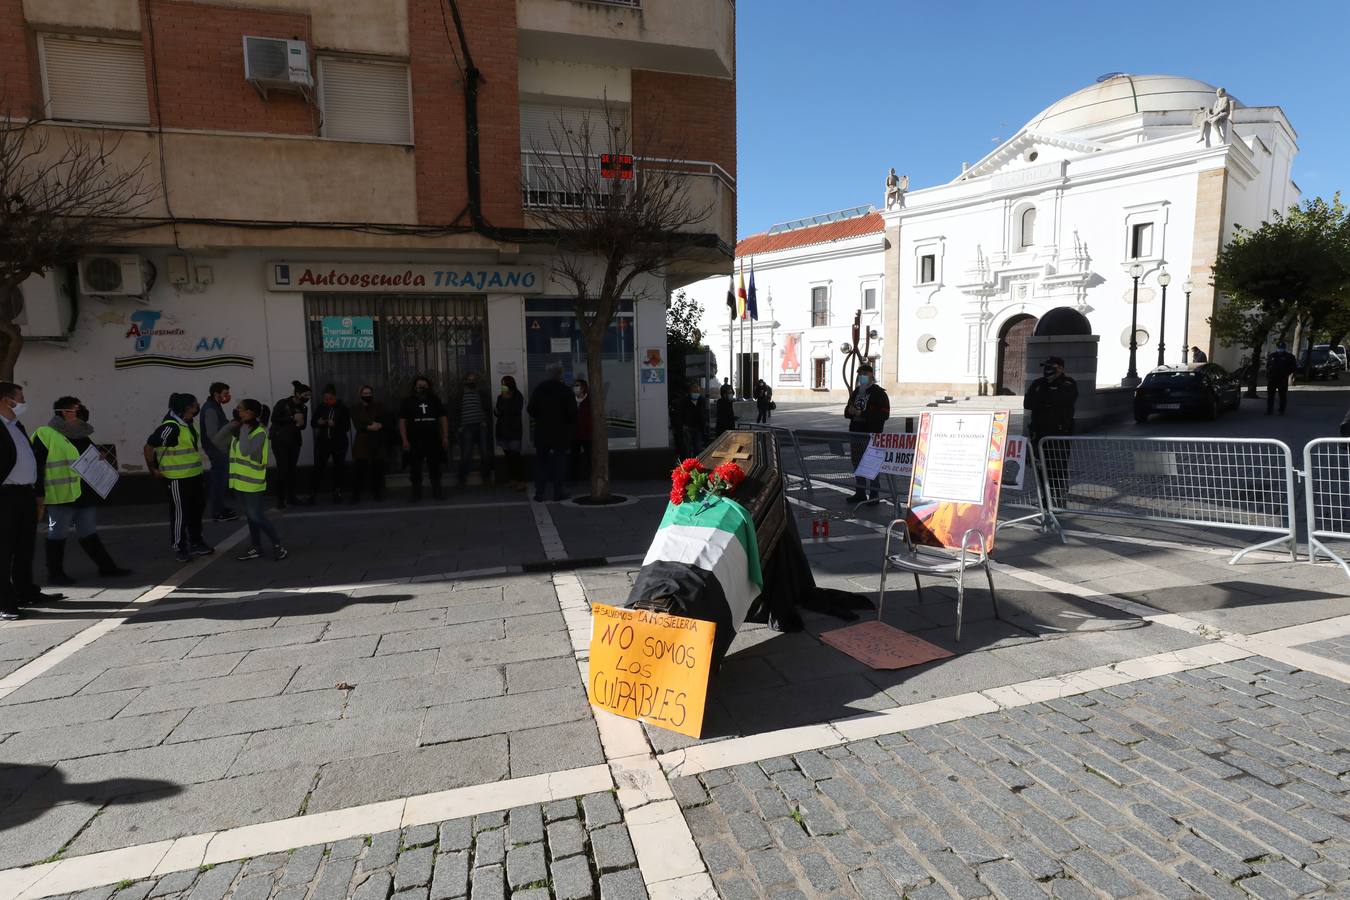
[320, 212]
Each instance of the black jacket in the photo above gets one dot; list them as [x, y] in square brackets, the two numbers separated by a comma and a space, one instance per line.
[1279, 366]
[339, 417]
[1051, 404]
[510, 407]
[726, 414]
[7, 456]
[689, 414]
[455, 410]
[283, 429]
[874, 408]
[554, 410]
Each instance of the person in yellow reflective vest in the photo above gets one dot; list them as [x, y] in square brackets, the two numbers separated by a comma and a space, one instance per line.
[173, 453]
[56, 447]
[249, 449]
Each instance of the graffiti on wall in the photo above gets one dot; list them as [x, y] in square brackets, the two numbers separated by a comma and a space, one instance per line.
[156, 340]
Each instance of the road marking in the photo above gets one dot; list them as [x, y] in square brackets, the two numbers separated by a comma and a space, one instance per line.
[63, 651]
[548, 532]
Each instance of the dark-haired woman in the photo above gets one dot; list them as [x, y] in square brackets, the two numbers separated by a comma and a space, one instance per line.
[511, 429]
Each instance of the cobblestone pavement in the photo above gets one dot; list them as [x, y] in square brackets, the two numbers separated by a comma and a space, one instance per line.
[1337, 649]
[1225, 782]
[571, 849]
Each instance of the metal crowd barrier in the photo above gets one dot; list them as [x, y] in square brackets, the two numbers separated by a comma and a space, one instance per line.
[826, 459]
[1029, 500]
[1229, 483]
[790, 457]
[1326, 468]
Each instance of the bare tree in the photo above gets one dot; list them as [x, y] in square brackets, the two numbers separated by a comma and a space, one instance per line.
[609, 226]
[56, 200]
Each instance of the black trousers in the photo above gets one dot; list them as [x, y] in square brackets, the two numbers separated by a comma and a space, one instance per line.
[18, 529]
[430, 454]
[326, 450]
[187, 500]
[369, 473]
[288, 457]
[1273, 388]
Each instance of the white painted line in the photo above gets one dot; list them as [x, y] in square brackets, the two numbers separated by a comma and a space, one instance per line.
[1292, 656]
[1309, 632]
[664, 846]
[63, 651]
[690, 887]
[481, 798]
[548, 532]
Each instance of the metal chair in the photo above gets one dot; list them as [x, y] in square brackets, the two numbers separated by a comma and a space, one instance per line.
[950, 562]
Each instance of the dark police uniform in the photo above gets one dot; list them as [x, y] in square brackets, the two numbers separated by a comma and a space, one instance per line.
[1051, 403]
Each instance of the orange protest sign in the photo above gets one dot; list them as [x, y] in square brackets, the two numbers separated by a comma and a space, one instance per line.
[650, 666]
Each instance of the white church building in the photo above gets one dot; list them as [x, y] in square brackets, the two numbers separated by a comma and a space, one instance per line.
[1114, 182]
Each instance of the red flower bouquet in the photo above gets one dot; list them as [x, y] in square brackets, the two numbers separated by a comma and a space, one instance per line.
[692, 481]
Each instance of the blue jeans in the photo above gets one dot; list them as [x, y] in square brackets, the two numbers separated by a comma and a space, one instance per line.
[470, 437]
[217, 480]
[62, 516]
[550, 467]
[258, 523]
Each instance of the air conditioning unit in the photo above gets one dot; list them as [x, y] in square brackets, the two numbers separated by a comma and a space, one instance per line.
[277, 63]
[115, 275]
[48, 309]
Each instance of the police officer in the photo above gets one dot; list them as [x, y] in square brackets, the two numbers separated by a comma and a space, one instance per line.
[1051, 400]
[56, 446]
[424, 428]
[173, 452]
[1280, 367]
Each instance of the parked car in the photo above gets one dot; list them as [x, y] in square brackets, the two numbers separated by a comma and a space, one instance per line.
[1338, 350]
[1200, 389]
[1323, 363]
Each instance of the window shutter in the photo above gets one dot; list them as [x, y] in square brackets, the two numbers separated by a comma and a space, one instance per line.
[365, 101]
[540, 126]
[95, 81]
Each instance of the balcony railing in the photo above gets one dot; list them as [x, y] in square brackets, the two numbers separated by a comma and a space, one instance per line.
[550, 179]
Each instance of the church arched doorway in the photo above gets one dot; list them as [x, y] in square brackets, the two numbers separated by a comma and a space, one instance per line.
[1012, 354]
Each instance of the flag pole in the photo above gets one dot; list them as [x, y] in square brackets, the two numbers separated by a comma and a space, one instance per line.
[754, 365]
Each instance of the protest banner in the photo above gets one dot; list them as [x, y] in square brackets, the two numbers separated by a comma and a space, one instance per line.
[650, 666]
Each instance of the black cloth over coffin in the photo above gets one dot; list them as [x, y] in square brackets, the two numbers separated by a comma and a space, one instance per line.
[686, 590]
[789, 584]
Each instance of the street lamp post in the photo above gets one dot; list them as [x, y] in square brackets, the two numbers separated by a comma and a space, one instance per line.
[1131, 378]
[1164, 280]
[1187, 287]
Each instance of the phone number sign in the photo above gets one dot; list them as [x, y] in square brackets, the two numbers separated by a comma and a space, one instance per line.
[348, 334]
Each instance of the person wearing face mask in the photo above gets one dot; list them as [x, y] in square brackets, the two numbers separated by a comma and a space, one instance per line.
[691, 421]
[554, 410]
[369, 419]
[173, 453]
[726, 410]
[471, 408]
[290, 415]
[511, 430]
[21, 507]
[1050, 400]
[581, 438]
[424, 428]
[56, 446]
[332, 426]
[213, 418]
[246, 442]
[867, 412]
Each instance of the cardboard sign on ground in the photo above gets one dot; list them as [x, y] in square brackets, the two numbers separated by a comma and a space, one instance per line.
[883, 646]
[650, 666]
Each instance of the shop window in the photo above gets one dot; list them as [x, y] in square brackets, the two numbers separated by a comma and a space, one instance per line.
[363, 100]
[552, 335]
[820, 306]
[94, 80]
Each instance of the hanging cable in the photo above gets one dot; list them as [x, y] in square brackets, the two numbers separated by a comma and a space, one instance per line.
[159, 122]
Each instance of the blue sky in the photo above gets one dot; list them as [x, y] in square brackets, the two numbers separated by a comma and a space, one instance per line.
[830, 94]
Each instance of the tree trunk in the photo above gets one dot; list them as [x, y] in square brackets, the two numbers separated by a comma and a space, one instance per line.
[1254, 370]
[595, 372]
[12, 339]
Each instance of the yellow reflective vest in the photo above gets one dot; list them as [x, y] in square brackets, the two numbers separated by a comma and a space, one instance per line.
[184, 458]
[60, 484]
[247, 475]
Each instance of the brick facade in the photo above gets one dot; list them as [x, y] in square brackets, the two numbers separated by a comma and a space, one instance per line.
[199, 53]
[20, 89]
[685, 117]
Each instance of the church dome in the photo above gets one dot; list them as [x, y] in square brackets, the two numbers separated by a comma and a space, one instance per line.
[1063, 321]
[1121, 95]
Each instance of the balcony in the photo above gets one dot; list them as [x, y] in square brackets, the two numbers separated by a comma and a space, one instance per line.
[553, 179]
[691, 37]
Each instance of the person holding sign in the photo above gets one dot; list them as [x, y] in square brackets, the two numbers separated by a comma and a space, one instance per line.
[1051, 400]
[56, 447]
[867, 412]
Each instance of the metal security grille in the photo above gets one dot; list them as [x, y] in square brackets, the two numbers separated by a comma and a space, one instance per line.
[1326, 465]
[441, 337]
[1246, 485]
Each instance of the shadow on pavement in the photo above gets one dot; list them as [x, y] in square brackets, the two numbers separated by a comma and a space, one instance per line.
[45, 787]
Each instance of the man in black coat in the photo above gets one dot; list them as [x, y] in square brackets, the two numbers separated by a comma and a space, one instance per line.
[867, 412]
[1280, 367]
[21, 507]
[691, 421]
[1051, 400]
[332, 423]
[554, 411]
[424, 428]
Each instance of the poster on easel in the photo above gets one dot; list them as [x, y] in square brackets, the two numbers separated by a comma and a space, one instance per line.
[958, 466]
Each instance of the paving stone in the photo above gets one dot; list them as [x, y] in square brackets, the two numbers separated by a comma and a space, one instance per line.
[138, 891]
[566, 838]
[259, 887]
[612, 849]
[749, 832]
[419, 835]
[526, 825]
[349, 848]
[335, 879]
[525, 866]
[214, 883]
[416, 893]
[600, 810]
[625, 885]
[489, 820]
[456, 834]
[870, 883]
[174, 883]
[560, 809]
[383, 850]
[1009, 882]
[572, 879]
[490, 848]
[488, 883]
[414, 868]
[688, 791]
[451, 876]
[302, 865]
[376, 887]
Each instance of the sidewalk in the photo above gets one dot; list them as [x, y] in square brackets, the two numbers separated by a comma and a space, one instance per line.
[402, 705]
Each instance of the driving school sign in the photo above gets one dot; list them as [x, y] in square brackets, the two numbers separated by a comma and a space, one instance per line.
[413, 278]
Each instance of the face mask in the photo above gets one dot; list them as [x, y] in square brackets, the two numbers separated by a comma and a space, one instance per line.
[864, 380]
[471, 386]
[365, 399]
[505, 389]
[578, 391]
[695, 396]
[1049, 371]
[330, 401]
[20, 408]
[422, 390]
